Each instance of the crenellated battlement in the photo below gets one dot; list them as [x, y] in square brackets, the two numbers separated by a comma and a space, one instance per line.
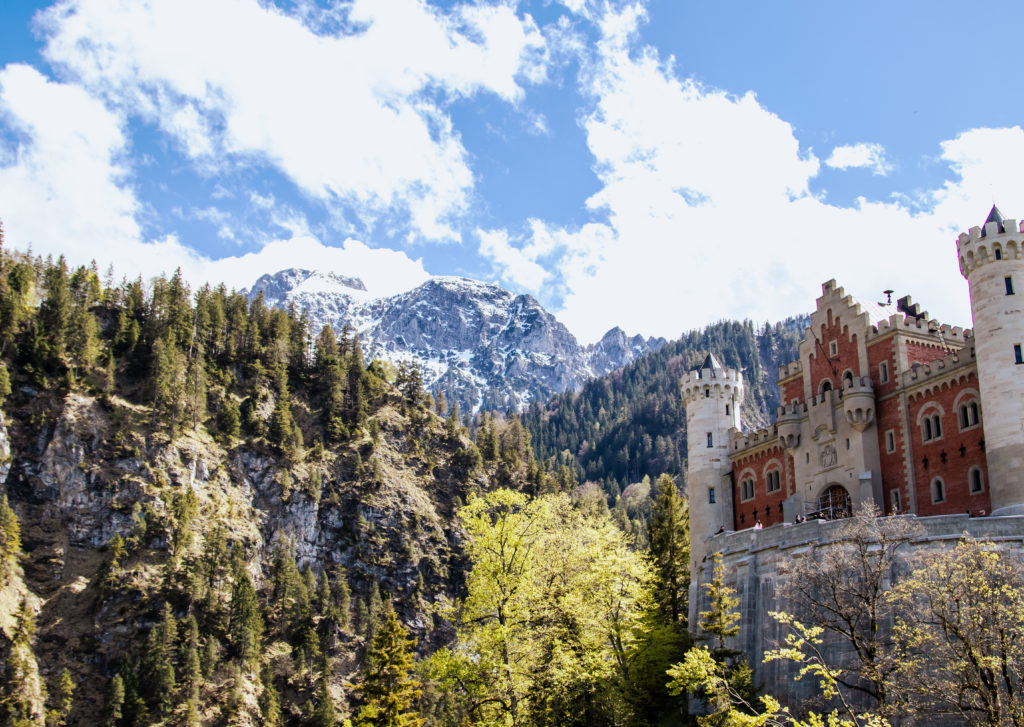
[788, 370]
[742, 441]
[942, 367]
[980, 246]
[720, 382]
[922, 326]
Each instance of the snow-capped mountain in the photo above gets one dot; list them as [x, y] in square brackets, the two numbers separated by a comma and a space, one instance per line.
[476, 342]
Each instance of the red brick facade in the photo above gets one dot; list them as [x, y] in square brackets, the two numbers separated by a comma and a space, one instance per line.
[908, 428]
[761, 505]
[834, 353]
[949, 456]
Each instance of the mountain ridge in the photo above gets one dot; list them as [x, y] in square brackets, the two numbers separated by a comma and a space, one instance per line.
[478, 343]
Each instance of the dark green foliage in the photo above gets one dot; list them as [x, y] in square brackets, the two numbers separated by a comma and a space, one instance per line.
[388, 689]
[631, 423]
[669, 537]
[10, 541]
[245, 632]
[115, 702]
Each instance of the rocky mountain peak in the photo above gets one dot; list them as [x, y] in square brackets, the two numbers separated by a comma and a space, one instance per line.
[477, 342]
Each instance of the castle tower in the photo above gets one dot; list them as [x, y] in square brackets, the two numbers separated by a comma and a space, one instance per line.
[712, 396]
[991, 260]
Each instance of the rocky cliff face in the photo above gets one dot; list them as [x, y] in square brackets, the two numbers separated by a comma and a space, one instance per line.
[476, 342]
[84, 472]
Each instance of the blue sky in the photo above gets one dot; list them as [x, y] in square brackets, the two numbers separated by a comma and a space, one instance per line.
[655, 165]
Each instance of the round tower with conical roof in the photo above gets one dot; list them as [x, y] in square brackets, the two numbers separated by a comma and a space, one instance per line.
[712, 396]
[991, 260]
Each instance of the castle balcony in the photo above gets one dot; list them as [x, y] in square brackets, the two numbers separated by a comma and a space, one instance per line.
[859, 403]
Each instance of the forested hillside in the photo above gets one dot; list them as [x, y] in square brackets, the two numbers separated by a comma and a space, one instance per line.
[631, 423]
[211, 510]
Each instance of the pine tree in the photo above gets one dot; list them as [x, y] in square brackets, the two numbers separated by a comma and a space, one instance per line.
[115, 702]
[168, 377]
[388, 689]
[5, 382]
[324, 715]
[669, 536]
[270, 700]
[374, 610]
[10, 541]
[245, 630]
[55, 310]
[721, 620]
[63, 699]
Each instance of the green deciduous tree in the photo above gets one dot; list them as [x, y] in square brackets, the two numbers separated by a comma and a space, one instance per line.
[960, 634]
[555, 602]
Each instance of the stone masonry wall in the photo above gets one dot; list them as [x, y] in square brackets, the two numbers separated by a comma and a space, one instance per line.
[755, 563]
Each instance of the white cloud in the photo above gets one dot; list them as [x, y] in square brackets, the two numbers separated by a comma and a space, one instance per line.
[513, 265]
[709, 214]
[348, 117]
[64, 191]
[865, 156]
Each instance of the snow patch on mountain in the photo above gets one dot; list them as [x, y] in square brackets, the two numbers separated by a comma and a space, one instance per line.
[480, 344]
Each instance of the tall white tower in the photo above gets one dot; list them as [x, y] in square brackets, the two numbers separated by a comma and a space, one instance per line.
[712, 396]
[991, 260]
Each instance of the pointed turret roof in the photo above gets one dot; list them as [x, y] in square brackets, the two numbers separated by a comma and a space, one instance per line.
[710, 362]
[993, 216]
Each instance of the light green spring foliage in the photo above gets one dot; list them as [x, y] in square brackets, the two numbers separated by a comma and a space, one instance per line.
[555, 600]
[721, 620]
[701, 672]
[960, 634]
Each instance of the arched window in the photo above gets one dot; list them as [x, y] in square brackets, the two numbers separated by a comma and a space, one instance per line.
[931, 425]
[826, 385]
[848, 380]
[976, 480]
[773, 481]
[747, 488]
[970, 415]
[938, 491]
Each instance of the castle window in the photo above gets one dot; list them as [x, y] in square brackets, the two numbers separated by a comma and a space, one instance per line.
[711, 442]
[847, 444]
[969, 415]
[1009, 285]
[976, 479]
[833, 348]
[1018, 355]
[931, 427]
[826, 385]
[707, 393]
[746, 489]
[895, 497]
[773, 480]
[999, 253]
[883, 372]
[890, 441]
[727, 410]
[938, 491]
[711, 495]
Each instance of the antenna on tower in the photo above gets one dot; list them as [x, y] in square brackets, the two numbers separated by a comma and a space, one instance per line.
[888, 297]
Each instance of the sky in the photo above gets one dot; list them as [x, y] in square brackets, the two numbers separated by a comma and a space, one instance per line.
[656, 165]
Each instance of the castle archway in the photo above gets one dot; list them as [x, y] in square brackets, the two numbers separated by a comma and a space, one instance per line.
[834, 503]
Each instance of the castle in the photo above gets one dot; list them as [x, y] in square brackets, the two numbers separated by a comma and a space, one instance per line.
[883, 406]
